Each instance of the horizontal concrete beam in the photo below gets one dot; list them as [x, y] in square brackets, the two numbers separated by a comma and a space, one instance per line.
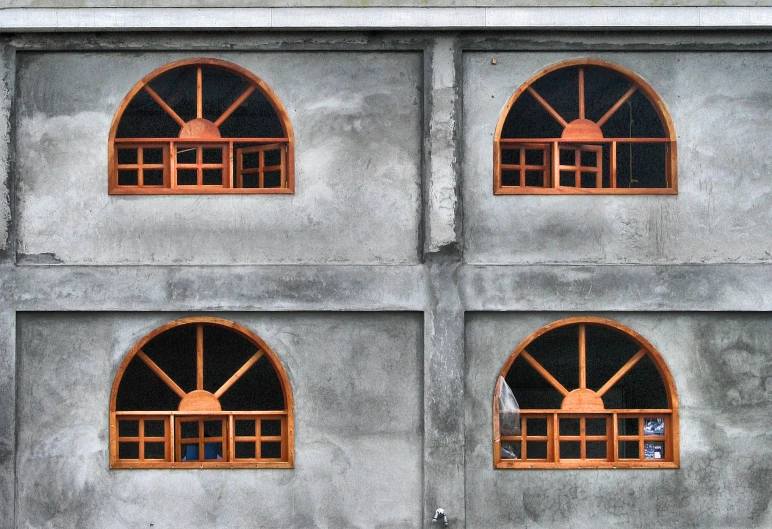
[580, 288]
[382, 18]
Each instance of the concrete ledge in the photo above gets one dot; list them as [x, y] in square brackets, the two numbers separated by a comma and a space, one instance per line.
[382, 18]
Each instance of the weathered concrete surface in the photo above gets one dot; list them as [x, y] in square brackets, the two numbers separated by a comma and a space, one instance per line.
[722, 366]
[357, 124]
[357, 443]
[7, 416]
[7, 74]
[374, 3]
[722, 210]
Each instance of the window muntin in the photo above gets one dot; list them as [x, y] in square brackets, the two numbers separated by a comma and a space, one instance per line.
[592, 394]
[585, 127]
[185, 127]
[201, 393]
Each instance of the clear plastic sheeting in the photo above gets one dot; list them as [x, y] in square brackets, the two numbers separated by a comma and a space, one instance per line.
[509, 410]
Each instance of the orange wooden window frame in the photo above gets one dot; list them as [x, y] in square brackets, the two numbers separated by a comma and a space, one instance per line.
[203, 133]
[585, 132]
[197, 405]
[585, 404]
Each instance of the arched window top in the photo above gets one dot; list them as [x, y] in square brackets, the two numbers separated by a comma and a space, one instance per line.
[201, 392]
[201, 126]
[592, 393]
[585, 126]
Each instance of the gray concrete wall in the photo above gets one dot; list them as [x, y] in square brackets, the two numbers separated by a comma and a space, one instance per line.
[357, 444]
[357, 123]
[722, 366]
[721, 213]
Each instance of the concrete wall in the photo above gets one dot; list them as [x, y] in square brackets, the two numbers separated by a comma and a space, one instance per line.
[357, 444]
[357, 122]
[441, 280]
[722, 367]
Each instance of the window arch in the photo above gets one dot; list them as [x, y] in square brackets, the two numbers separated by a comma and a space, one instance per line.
[201, 393]
[592, 393]
[200, 126]
[585, 126]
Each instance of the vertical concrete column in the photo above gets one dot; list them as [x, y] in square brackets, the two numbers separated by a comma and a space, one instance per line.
[7, 417]
[7, 75]
[444, 316]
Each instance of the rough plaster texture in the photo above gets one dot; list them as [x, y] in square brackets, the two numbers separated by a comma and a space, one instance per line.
[721, 212]
[372, 3]
[357, 124]
[356, 379]
[6, 77]
[722, 366]
[7, 416]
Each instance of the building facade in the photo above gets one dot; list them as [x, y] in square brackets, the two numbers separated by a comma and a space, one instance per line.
[391, 283]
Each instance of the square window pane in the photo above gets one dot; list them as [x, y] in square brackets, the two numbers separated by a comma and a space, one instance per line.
[186, 155]
[212, 177]
[595, 426]
[589, 159]
[567, 157]
[245, 427]
[128, 177]
[270, 427]
[245, 450]
[654, 450]
[534, 157]
[187, 177]
[127, 156]
[569, 426]
[568, 178]
[510, 178]
[570, 450]
[534, 178]
[155, 451]
[212, 428]
[510, 450]
[211, 155]
[654, 426]
[270, 450]
[536, 450]
[596, 450]
[590, 180]
[128, 450]
[272, 179]
[250, 160]
[628, 450]
[510, 156]
[189, 429]
[154, 429]
[128, 428]
[189, 452]
[153, 177]
[212, 451]
[536, 426]
[250, 180]
[628, 426]
[155, 156]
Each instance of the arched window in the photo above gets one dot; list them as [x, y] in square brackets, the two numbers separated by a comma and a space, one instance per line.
[201, 126]
[585, 126]
[201, 393]
[592, 393]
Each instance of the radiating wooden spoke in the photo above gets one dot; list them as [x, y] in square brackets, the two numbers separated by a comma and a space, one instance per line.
[161, 374]
[199, 356]
[544, 373]
[616, 105]
[199, 93]
[622, 372]
[582, 356]
[581, 93]
[547, 106]
[238, 374]
[164, 106]
[236, 104]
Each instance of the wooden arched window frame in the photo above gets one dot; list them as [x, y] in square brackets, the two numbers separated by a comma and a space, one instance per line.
[619, 437]
[191, 153]
[585, 147]
[199, 433]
